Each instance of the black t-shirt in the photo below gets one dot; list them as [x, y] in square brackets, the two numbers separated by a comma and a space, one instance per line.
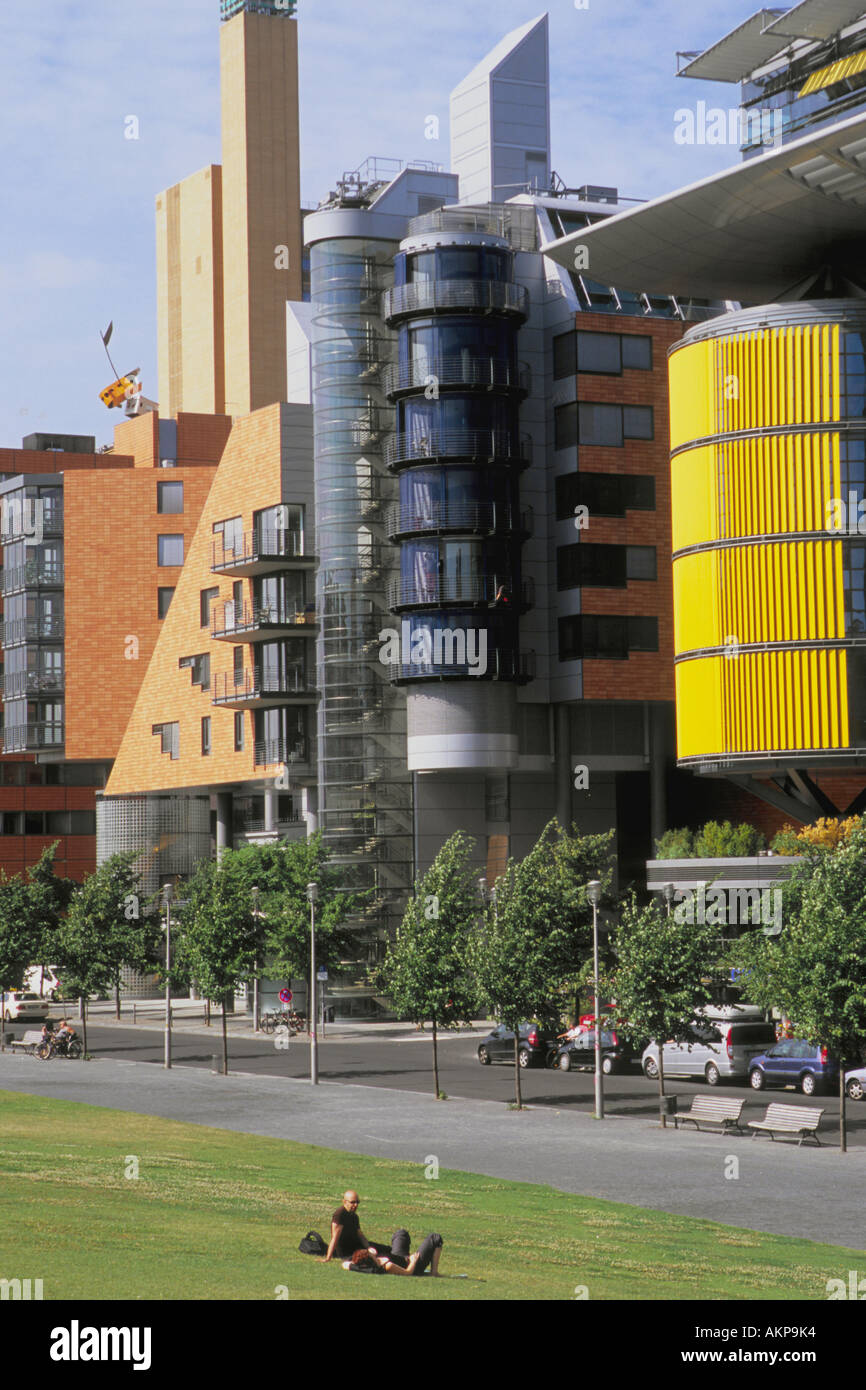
[349, 1239]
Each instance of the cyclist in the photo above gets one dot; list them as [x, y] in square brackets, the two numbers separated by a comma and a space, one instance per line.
[65, 1033]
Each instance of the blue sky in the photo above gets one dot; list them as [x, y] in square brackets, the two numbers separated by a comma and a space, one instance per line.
[77, 226]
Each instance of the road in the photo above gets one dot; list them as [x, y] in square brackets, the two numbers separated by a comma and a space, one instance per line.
[405, 1064]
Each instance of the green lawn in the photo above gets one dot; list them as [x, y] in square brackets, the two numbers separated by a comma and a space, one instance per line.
[218, 1215]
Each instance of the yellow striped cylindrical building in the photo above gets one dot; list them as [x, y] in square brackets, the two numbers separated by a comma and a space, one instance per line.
[768, 438]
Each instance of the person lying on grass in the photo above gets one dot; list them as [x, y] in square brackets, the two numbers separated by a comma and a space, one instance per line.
[426, 1256]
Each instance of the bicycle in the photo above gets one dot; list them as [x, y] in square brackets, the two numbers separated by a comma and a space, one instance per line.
[59, 1047]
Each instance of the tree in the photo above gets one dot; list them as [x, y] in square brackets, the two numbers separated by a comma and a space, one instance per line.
[676, 844]
[722, 840]
[18, 941]
[659, 976]
[826, 833]
[426, 967]
[815, 971]
[284, 872]
[105, 921]
[526, 943]
[47, 898]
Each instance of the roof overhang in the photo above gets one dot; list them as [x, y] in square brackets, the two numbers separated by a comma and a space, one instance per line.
[769, 32]
[759, 233]
[817, 19]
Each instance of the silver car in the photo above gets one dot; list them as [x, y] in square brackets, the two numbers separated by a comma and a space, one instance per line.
[715, 1049]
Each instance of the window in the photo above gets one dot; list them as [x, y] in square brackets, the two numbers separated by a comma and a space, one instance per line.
[637, 422]
[11, 823]
[565, 426]
[205, 737]
[592, 423]
[163, 601]
[600, 353]
[207, 597]
[600, 424]
[232, 532]
[497, 804]
[637, 352]
[605, 354]
[169, 498]
[641, 562]
[170, 736]
[606, 638]
[595, 566]
[169, 550]
[565, 356]
[200, 668]
[239, 733]
[605, 494]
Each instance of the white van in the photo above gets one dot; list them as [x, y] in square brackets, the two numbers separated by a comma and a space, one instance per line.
[721, 1044]
[43, 980]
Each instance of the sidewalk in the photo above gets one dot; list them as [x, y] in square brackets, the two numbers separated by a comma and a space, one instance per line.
[806, 1192]
[187, 1017]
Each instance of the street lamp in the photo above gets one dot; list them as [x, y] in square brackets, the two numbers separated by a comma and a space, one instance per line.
[167, 894]
[669, 893]
[256, 916]
[313, 895]
[593, 892]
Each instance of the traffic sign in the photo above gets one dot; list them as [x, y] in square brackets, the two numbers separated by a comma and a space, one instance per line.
[286, 996]
[321, 975]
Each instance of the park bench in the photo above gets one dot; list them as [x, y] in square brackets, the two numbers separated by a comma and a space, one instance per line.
[713, 1110]
[29, 1043]
[789, 1119]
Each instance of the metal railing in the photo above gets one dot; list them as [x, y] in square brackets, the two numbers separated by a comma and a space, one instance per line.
[19, 737]
[502, 666]
[264, 544]
[30, 575]
[491, 296]
[230, 617]
[403, 519]
[515, 222]
[45, 629]
[456, 371]
[38, 517]
[19, 683]
[491, 589]
[487, 444]
[257, 685]
[270, 752]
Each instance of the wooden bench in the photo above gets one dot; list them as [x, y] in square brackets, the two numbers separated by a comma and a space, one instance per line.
[29, 1043]
[713, 1110]
[789, 1119]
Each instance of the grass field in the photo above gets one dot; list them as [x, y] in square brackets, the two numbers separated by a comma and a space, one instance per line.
[218, 1215]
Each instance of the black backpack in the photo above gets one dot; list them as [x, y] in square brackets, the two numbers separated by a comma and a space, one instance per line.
[312, 1244]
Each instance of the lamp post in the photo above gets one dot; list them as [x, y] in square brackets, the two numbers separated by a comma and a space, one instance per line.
[167, 893]
[593, 892]
[256, 916]
[668, 893]
[313, 894]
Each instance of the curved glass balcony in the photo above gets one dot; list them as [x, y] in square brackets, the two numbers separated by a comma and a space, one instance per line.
[486, 591]
[484, 518]
[502, 665]
[480, 296]
[487, 373]
[458, 444]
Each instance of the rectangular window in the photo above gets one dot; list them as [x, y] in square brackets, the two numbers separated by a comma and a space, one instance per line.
[641, 562]
[205, 737]
[565, 426]
[564, 356]
[232, 532]
[169, 499]
[590, 565]
[200, 668]
[637, 422]
[600, 425]
[637, 352]
[11, 823]
[586, 637]
[169, 550]
[163, 601]
[239, 733]
[170, 739]
[600, 353]
[207, 597]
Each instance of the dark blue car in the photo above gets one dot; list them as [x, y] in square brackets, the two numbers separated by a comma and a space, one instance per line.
[794, 1062]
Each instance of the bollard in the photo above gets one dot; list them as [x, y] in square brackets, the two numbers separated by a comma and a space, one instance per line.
[216, 1066]
[133, 1013]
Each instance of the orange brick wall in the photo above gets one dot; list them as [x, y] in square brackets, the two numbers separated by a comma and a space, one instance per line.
[248, 479]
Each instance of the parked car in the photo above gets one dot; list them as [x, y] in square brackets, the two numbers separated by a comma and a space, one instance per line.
[537, 1046]
[617, 1052]
[855, 1083]
[794, 1062]
[17, 1004]
[714, 1049]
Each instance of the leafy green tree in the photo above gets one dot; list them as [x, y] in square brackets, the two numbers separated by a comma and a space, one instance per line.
[287, 910]
[106, 915]
[425, 970]
[676, 844]
[46, 901]
[659, 976]
[722, 840]
[578, 860]
[526, 943]
[18, 941]
[815, 970]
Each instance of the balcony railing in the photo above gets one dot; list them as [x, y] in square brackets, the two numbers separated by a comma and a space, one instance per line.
[495, 591]
[31, 575]
[404, 519]
[46, 629]
[39, 516]
[490, 372]
[18, 738]
[272, 751]
[458, 444]
[257, 547]
[500, 666]
[230, 619]
[257, 686]
[488, 296]
[17, 684]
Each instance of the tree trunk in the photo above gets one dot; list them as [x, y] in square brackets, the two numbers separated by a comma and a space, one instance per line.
[84, 1028]
[225, 1042]
[664, 1117]
[435, 1062]
[517, 1092]
[117, 998]
[2, 1020]
[843, 1118]
[207, 1013]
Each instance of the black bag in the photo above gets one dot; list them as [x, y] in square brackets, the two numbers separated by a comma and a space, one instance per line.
[312, 1244]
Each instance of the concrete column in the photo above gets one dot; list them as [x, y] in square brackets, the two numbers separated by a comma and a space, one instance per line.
[658, 770]
[310, 810]
[223, 823]
[563, 767]
[271, 808]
